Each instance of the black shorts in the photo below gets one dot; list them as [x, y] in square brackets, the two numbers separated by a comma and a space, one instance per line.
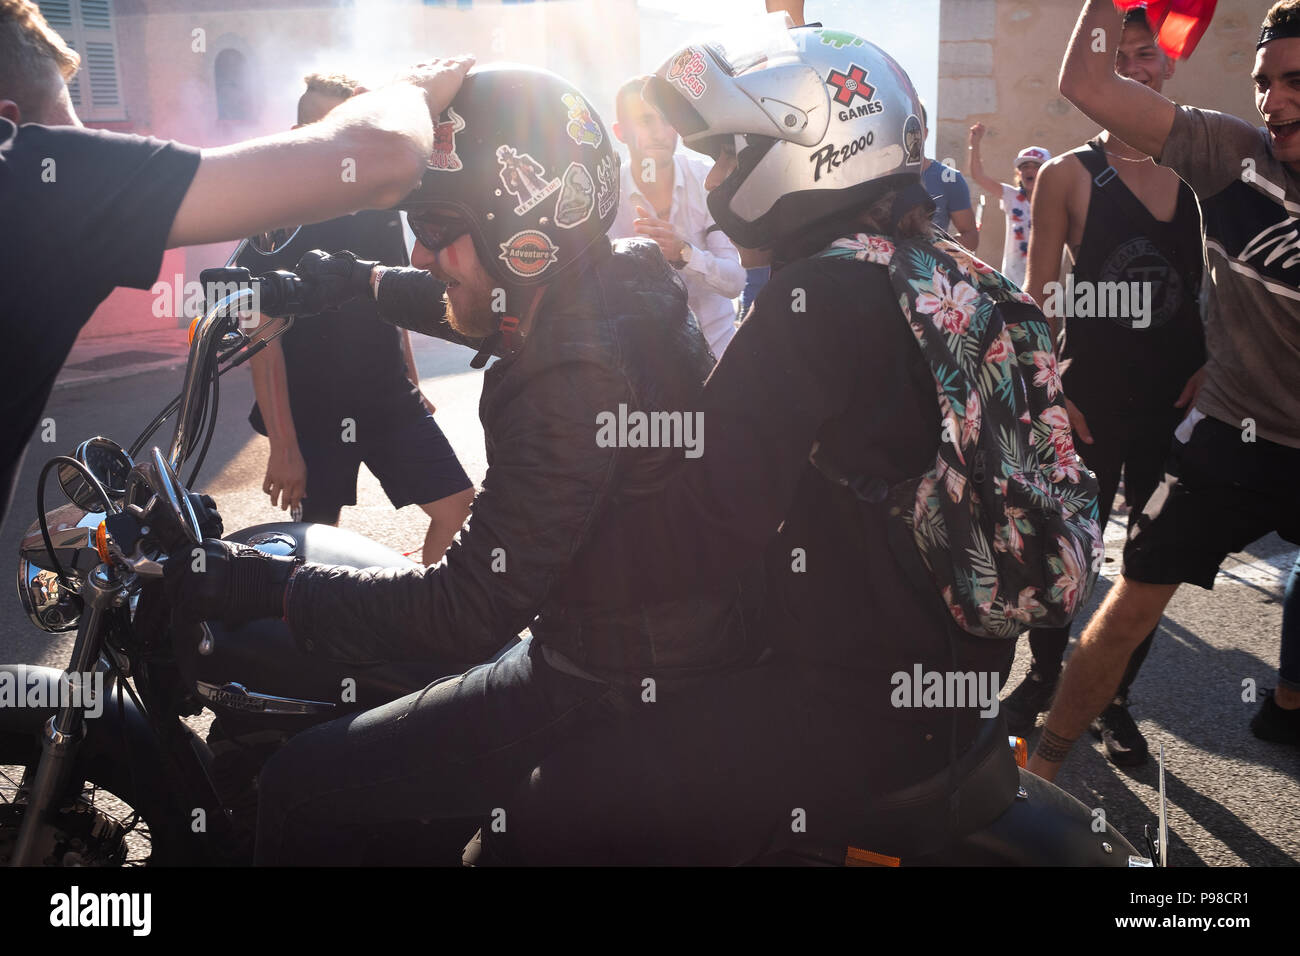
[1219, 494]
[413, 461]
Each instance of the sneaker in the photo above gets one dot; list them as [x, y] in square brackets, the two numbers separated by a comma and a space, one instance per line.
[1274, 724]
[1125, 745]
[1026, 702]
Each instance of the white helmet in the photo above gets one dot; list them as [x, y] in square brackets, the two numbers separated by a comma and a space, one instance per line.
[822, 121]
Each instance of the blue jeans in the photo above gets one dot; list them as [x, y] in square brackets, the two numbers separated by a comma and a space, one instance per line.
[351, 791]
[1288, 671]
[755, 279]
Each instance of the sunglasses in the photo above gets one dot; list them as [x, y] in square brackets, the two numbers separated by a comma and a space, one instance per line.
[435, 231]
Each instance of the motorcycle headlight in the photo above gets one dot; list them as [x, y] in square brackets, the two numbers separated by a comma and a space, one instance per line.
[51, 606]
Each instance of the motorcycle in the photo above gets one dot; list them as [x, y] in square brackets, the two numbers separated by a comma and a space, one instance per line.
[99, 767]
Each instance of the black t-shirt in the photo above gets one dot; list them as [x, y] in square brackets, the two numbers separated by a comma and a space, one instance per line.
[84, 211]
[846, 372]
[345, 363]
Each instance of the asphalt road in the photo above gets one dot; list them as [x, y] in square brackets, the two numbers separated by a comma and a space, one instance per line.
[1233, 800]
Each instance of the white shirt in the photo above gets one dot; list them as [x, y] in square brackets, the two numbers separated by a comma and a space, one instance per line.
[714, 275]
[1015, 248]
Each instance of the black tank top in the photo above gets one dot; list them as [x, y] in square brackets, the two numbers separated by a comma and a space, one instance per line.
[1117, 368]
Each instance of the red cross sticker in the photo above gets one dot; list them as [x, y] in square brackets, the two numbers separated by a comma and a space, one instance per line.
[851, 84]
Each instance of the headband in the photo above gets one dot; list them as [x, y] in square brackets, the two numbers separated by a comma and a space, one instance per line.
[1281, 31]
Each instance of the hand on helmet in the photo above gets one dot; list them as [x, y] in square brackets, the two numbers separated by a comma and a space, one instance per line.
[224, 581]
[439, 78]
[333, 279]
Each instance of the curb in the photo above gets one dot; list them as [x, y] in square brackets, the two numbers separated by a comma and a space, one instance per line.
[70, 378]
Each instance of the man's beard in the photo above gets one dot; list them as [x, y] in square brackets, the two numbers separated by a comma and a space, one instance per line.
[478, 322]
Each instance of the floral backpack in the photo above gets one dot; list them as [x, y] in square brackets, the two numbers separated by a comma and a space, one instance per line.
[1006, 519]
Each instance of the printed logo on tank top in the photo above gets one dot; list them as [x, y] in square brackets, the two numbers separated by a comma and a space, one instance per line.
[1139, 261]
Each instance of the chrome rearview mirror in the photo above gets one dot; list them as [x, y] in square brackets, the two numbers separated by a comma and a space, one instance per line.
[51, 606]
[105, 459]
[265, 243]
[272, 241]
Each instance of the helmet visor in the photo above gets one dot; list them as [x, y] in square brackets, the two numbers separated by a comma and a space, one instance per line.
[754, 43]
[752, 80]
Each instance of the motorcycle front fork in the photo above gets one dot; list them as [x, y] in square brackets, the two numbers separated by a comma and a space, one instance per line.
[63, 732]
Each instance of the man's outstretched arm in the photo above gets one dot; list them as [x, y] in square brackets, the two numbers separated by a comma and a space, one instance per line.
[367, 154]
[1135, 113]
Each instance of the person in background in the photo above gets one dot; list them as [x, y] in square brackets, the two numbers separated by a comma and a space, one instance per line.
[86, 211]
[950, 193]
[1015, 202]
[1123, 219]
[663, 198]
[346, 366]
[1230, 475]
[1272, 722]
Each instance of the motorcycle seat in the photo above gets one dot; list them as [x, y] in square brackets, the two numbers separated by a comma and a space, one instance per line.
[626, 794]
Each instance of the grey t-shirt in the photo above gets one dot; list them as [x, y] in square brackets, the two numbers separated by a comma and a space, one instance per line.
[1250, 215]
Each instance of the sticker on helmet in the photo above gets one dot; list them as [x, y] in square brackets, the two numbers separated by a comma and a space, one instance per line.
[685, 72]
[524, 178]
[848, 86]
[444, 158]
[583, 128]
[606, 186]
[912, 140]
[838, 38]
[577, 197]
[830, 157]
[528, 253]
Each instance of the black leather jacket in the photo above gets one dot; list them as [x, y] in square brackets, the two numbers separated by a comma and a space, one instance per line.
[615, 332]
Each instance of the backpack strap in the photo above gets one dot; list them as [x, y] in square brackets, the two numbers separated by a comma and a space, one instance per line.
[872, 491]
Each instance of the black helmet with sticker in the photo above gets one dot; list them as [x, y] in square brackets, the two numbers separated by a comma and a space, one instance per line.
[521, 154]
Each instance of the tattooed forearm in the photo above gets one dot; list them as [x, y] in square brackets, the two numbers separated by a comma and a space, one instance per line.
[1053, 747]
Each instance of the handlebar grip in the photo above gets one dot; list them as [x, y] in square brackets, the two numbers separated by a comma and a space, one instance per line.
[277, 293]
[283, 293]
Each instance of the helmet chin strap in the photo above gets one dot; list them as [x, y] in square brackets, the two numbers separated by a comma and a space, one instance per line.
[507, 335]
[485, 350]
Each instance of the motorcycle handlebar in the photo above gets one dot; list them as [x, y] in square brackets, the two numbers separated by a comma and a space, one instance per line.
[229, 290]
[277, 293]
[282, 293]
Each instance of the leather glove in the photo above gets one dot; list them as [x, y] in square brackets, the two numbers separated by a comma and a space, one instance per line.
[227, 582]
[332, 280]
[205, 509]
